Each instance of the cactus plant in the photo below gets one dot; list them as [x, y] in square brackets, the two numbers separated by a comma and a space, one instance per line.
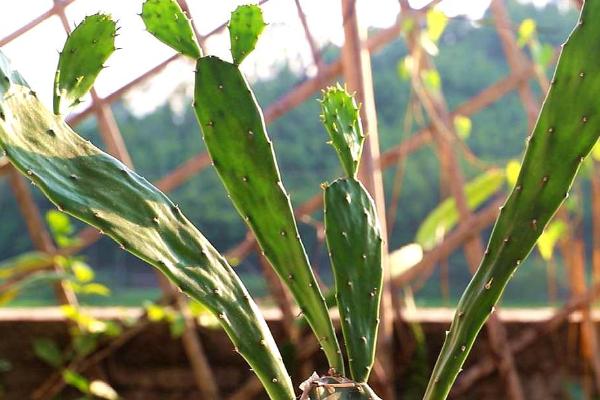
[353, 236]
[566, 130]
[166, 21]
[245, 26]
[94, 187]
[86, 50]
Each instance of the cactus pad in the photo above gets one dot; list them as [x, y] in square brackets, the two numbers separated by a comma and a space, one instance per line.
[245, 26]
[86, 50]
[354, 240]
[242, 153]
[166, 21]
[566, 130]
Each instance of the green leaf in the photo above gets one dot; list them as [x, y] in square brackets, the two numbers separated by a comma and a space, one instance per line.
[94, 288]
[542, 54]
[83, 272]
[431, 80]
[436, 24]
[405, 68]
[176, 325]
[47, 350]
[463, 126]
[526, 31]
[23, 263]
[79, 382]
[552, 234]
[445, 216]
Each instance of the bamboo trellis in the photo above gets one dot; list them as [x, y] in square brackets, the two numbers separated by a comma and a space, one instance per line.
[354, 67]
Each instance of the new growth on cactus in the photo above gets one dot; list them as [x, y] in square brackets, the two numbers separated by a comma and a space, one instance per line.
[167, 22]
[86, 50]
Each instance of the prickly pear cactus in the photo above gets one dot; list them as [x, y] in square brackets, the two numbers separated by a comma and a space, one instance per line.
[167, 22]
[340, 116]
[567, 128]
[354, 242]
[335, 388]
[242, 153]
[92, 186]
[86, 50]
[245, 26]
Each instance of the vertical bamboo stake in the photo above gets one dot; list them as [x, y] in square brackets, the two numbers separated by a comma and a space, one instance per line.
[356, 63]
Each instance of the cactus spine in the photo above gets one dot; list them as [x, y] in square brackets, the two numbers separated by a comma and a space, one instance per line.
[86, 50]
[92, 186]
[566, 130]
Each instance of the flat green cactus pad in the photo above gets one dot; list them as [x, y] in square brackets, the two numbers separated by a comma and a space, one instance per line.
[354, 241]
[242, 153]
[166, 21]
[86, 50]
[245, 26]
[566, 130]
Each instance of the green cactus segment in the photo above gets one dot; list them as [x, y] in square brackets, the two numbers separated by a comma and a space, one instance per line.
[341, 118]
[166, 21]
[242, 153]
[336, 388]
[245, 26]
[86, 50]
[354, 240]
[567, 128]
[99, 190]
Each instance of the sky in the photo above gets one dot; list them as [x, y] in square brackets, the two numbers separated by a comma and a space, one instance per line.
[35, 54]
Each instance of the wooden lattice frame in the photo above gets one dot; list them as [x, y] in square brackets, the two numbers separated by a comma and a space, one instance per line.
[355, 67]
